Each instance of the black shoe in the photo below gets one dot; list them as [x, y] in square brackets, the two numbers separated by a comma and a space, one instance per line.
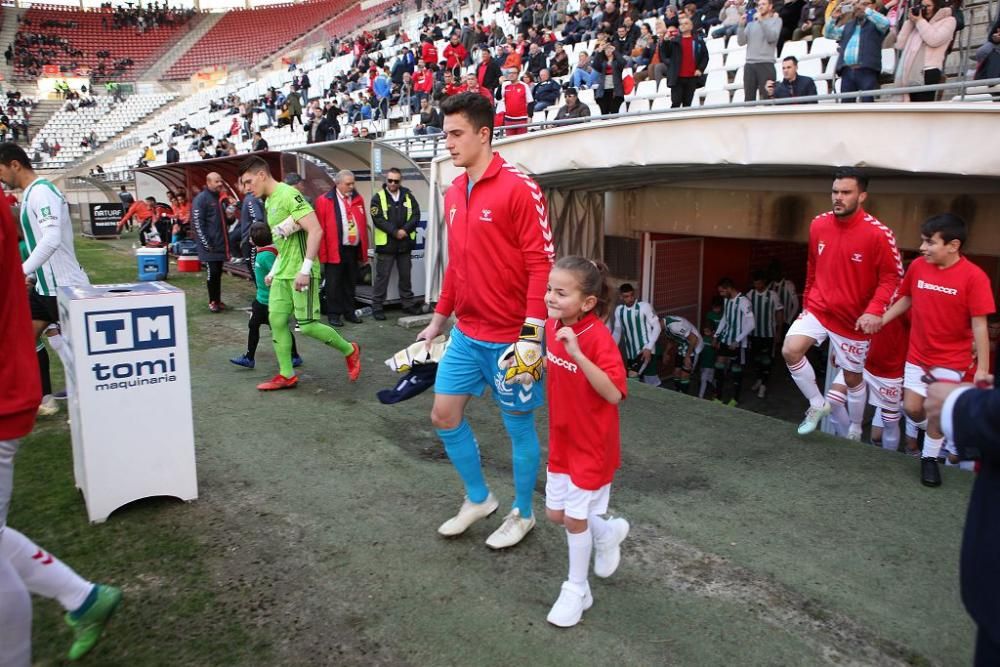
[335, 321]
[353, 319]
[414, 310]
[930, 475]
[378, 315]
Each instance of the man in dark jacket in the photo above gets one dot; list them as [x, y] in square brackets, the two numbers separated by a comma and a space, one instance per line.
[546, 92]
[573, 108]
[792, 84]
[859, 65]
[395, 213]
[251, 211]
[970, 418]
[173, 155]
[687, 63]
[208, 221]
[488, 73]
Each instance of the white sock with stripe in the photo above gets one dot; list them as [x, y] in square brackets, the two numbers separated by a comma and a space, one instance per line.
[42, 573]
[856, 404]
[890, 430]
[805, 379]
[838, 414]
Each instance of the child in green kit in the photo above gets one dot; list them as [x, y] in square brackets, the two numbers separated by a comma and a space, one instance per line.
[260, 238]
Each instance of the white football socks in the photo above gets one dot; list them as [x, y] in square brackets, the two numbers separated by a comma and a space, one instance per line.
[932, 446]
[42, 573]
[58, 343]
[581, 545]
[805, 380]
[856, 404]
[838, 413]
[890, 430]
[598, 527]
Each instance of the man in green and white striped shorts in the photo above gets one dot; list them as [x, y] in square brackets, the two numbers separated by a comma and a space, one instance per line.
[635, 323]
[768, 316]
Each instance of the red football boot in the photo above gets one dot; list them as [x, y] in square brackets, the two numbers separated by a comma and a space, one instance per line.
[279, 381]
[354, 362]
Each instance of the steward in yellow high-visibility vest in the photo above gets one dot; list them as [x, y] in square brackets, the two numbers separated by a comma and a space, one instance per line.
[395, 214]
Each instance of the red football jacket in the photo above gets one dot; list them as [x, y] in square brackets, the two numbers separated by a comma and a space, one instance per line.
[500, 252]
[328, 212]
[854, 268]
[20, 384]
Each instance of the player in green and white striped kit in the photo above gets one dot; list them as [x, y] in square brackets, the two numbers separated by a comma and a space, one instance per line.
[689, 346]
[785, 289]
[636, 323]
[768, 316]
[48, 236]
[733, 337]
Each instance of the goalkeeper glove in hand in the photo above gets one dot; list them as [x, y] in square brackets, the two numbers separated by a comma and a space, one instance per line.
[523, 360]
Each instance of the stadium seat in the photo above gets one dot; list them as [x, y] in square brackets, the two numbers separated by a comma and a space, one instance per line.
[736, 59]
[812, 68]
[716, 97]
[888, 61]
[646, 89]
[798, 49]
[638, 106]
[823, 47]
[660, 103]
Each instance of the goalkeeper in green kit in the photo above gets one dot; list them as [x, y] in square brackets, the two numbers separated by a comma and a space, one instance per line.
[295, 277]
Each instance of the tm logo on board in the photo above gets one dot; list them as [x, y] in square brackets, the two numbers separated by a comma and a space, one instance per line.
[126, 330]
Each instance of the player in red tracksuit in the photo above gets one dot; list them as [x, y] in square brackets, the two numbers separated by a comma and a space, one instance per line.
[24, 567]
[516, 97]
[949, 299]
[852, 273]
[499, 254]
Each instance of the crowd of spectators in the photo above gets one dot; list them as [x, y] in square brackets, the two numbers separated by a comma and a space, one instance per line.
[16, 116]
[33, 49]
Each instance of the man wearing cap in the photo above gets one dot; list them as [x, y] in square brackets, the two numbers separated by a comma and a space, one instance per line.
[573, 107]
[173, 155]
[395, 214]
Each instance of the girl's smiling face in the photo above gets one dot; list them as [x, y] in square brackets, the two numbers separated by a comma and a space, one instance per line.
[564, 299]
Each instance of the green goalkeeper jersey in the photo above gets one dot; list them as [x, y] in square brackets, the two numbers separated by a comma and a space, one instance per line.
[285, 201]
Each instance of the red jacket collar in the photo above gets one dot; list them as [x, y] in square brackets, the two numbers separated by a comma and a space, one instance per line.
[496, 164]
[858, 215]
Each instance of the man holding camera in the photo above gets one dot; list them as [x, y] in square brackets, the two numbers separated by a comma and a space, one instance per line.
[860, 38]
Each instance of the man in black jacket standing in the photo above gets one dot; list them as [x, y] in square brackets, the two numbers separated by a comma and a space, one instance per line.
[173, 155]
[395, 214]
[971, 419]
[208, 221]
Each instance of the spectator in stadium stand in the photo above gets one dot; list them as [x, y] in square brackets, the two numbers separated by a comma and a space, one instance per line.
[516, 97]
[472, 86]
[455, 54]
[296, 181]
[344, 248]
[404, 64]
[270, 105]
[987, 57]
[428, 52]
[383, 93]
[173, 155]
[488, 71]
[294, 110]
[304, 85]
[584, 76]
[430, 120]
[423, 83]
[789, 13]
[687, 62]
[208, 221]
[859, 61]
[284, 116]
[811, 20]
[623, 41]
[792, 84]
[610, 93]
[259, 143]
[729, 19]
[559, 65]
[923, 42]
[760, 36]
[573, 108]
[546, 91]
[512, 58]
[536, 60]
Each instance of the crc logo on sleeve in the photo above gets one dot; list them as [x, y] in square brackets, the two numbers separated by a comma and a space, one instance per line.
[127, 330]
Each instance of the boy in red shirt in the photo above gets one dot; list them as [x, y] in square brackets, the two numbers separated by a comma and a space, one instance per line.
[852, 273]
[585, 384]
[950, 299]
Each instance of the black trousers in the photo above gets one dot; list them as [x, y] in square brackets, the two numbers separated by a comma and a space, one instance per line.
[608, 103]
[383, 272]
[987, 650]
[682, 95]
[340, 281]
[931, 77]
[735, 362]
[258, 316]
[214, 281]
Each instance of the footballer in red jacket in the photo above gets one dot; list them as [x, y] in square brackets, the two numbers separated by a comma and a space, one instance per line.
[500, 252]
[852, 274]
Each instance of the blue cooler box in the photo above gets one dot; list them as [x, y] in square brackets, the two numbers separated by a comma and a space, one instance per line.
[152, 263]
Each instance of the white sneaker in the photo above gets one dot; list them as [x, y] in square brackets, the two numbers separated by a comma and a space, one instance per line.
[813, 418]
[762, 391]
[568, 609]
[48, 406]
[469, 514]
[608, 554]
[756, 385]
[854, 432]
[511, 531]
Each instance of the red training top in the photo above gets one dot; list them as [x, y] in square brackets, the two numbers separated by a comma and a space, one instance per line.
[429, 53]
[423, 82]
[20, 384]
[887, 351]
[944, 303]
[853, 268]
[515, 101]
[500, 252]
[455, 54]
[584, 438]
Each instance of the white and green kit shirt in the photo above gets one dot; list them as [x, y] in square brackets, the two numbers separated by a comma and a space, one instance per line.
[785, 289]
[639, 326]
[48, 235]
[680, 329]
[736, 323]
[765, 305]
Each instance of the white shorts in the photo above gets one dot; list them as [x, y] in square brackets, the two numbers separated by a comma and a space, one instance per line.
[913, 377]
[850, 353]
[885, 393]
[562, 494]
